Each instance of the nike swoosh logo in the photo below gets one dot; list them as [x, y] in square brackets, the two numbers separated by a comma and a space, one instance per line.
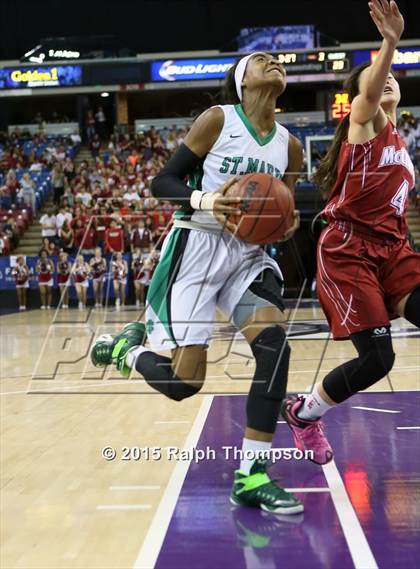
[235, 135]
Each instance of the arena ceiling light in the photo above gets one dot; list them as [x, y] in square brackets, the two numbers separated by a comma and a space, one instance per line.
[105, 94]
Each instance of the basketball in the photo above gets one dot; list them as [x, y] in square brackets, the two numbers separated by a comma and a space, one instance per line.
[267, 208]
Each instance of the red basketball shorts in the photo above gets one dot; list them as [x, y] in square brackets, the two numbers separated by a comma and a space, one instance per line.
[360, 280]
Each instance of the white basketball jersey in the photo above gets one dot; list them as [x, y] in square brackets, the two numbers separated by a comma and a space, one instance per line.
[239, 150]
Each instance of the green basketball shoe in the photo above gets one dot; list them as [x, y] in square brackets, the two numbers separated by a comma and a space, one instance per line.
[258, 491]
[110, 349]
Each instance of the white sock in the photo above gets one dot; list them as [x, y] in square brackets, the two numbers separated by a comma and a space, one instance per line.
[132, 355]
[254, 448]
[314, 406]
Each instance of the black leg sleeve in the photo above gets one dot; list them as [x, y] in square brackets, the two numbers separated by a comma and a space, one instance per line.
[272, 355]
[157, 372]
[375, 360]
[412, 307]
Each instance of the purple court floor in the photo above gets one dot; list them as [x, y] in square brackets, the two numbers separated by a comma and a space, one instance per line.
[378, 464]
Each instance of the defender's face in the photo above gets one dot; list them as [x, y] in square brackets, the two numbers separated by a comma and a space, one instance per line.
[265, 69]
[392, 94]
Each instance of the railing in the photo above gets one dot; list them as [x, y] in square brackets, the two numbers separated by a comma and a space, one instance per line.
[49, 129]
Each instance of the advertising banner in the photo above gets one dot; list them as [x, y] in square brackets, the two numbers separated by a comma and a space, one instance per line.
[45, 76]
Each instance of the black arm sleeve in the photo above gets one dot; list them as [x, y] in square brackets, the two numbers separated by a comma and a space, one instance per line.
[169, 183]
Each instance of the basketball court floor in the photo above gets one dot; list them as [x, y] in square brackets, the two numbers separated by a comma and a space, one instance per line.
[67, 502]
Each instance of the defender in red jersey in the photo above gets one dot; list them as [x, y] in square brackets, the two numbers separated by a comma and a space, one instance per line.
[367, 271]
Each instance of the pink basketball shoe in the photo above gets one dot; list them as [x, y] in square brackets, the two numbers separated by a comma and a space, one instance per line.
[308, 435]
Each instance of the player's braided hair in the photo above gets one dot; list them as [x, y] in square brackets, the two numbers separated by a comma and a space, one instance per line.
[229, 96]
[326, 174]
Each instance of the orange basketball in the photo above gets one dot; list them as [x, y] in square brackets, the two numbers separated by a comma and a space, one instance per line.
[267, 208]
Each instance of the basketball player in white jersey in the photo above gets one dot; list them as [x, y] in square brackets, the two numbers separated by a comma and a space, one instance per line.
[203, 266]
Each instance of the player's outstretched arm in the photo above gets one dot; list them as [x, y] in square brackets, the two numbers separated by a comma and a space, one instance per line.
[390, 24]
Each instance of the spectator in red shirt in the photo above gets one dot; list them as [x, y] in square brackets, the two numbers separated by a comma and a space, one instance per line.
[66, 236]
[89, 240]
[131, 175]
[114, 238]
[140, 237]
[125, 209]
[102, 222]
[149, 224]
[160, 232]
[79, 215]
[48, 246]
[79, 231]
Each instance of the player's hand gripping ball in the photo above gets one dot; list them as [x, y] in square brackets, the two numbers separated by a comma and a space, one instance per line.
[268, 209]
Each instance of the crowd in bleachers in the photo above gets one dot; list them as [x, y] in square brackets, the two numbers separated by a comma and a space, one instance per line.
[25, 179]
[102, 203]
[106, 201]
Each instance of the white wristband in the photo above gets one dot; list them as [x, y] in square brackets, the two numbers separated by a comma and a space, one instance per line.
[195, 199]
[203, 201]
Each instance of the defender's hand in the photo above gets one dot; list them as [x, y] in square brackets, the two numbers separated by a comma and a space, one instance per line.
[296, 224]
[388, 19]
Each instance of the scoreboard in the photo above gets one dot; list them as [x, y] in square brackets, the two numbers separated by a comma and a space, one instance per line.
[316, 62]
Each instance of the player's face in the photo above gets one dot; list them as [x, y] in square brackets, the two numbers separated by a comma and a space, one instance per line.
[265, 69]
[392, 94]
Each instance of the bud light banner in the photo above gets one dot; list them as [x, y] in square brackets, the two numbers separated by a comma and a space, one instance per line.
[191, 69]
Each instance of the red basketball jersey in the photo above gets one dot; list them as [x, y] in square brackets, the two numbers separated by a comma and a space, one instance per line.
[373, 182]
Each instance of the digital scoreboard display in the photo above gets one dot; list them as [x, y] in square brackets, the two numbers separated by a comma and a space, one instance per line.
[42, 76]
[315, 62]
[340, 106]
